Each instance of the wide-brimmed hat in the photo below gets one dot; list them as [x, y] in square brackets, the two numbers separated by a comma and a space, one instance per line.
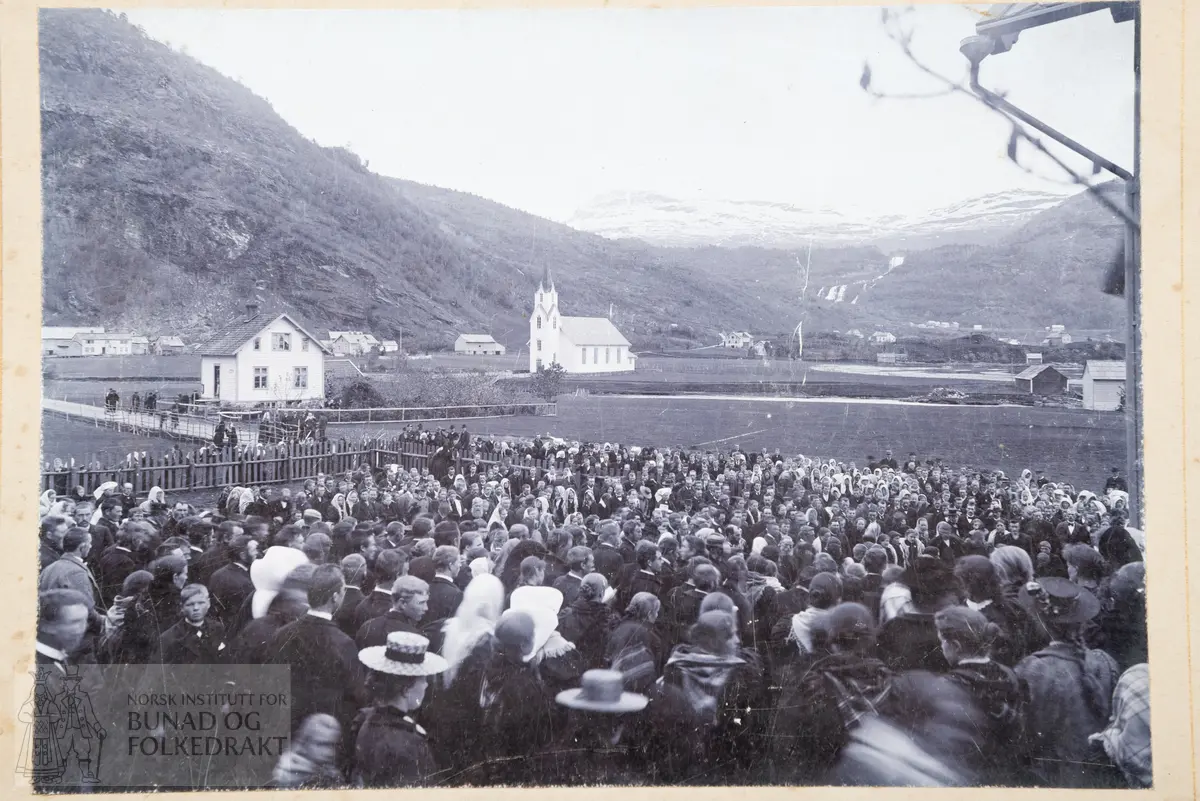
[1058, 600]
[269, 574]
[602, 691]
[406, 654]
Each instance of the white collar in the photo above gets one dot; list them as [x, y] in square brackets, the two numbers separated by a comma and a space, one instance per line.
[322, 615]
[353, 587]
[243, 567]
[977, 606]
[974, 660]
[123, 548]
[46, 650]
[388, 593]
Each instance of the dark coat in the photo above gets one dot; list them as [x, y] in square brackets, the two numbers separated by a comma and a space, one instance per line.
[209, 562]
[637, 580]
[346, 612]
[444, 598]
[230, 587]
[609, 563]
[373, 605]
[391, 750]
[910, 641]
[253, 643]
[326, 673]
[114, 566]
[588, 624]
[568, 585]
[376, 630]
[185, 644]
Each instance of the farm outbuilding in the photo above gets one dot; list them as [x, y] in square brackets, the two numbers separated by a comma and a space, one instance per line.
[1041, 379]
[1103, 384]
[1033, 358]
[479, 344]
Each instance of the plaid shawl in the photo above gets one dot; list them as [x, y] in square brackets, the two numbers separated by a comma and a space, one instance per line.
[1126, 740]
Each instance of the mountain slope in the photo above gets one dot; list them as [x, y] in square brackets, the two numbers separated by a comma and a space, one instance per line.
[172, 195]
[675, 222]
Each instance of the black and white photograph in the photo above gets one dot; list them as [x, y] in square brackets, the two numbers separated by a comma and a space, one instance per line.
[535, 397]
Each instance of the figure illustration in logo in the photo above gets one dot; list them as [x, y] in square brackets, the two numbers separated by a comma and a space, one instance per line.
[40, 759]
[78, 727]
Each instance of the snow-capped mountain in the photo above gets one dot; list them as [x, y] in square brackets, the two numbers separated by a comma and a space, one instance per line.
[669, 221]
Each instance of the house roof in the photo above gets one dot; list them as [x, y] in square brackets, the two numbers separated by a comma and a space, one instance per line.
[592, 331]
[102, 335]
[140, 340]
[69, 331]
[227, 341]
[1035, 370]
[1105, 370]
[174, 342]
[480, 339]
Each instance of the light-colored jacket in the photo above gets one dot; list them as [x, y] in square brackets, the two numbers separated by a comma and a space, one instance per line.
[68, 572]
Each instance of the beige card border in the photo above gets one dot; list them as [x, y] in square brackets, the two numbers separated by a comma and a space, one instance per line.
[1170, 349]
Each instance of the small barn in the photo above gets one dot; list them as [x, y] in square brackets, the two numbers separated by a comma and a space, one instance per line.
[1041, 379]
[139, 345]
[169, 346]
[1033, 358]
[1103, 384]
[478, 344]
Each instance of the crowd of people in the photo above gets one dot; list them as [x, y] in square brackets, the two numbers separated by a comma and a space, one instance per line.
[624, 615]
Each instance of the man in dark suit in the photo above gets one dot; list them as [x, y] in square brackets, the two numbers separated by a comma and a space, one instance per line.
[198, 639]
[683, 608]
[642, 575]
[53, 529]
[230, 586]
[444, 595]
[389, 565]
[1071, 530]
[354, 570]
[326, 677]
[608, 558]
[70, 572]
[116, 563]
[949, 545]
[216, 555]
[410, 603]
[61, 626]
[580, 562]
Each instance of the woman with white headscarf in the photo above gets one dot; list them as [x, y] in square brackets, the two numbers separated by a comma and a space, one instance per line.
[468, 646]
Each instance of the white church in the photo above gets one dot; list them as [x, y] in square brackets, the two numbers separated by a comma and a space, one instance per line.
[579, 344]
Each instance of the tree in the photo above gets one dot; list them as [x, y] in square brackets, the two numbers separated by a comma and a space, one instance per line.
[548, 381]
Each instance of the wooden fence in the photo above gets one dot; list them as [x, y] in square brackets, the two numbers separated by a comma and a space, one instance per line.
[284, 463]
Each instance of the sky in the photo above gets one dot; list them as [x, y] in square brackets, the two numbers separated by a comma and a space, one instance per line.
[546, 109]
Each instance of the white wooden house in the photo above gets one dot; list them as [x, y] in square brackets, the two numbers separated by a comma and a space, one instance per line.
[263, 358]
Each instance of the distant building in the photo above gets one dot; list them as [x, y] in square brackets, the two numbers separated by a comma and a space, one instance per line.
[168, 346]
[854, 332]
[104, 344]
[263, 358]
[1103, 383]
[1057, 340]
[139, 345]
[59, 340]
[578, 344]
[977, 327]
[1041, 379]
[351, 343]
[736, 339]
[1033, 358]
[882, 338]
[389, 346]
[479, 345]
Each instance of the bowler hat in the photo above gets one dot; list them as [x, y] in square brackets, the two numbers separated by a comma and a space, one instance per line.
[1058, 600]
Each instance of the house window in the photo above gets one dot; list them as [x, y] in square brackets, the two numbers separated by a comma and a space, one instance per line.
[300, 378]
[539, 321]
[595, 355]
[619, 355]
[304, 343]
[260, 378]
[281, 341]
[606, 355]
[539, 343]
[258, 343]
[583, 354]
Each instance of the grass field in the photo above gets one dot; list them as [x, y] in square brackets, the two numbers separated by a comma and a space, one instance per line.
[65, 438]
[186, 367]
[1077, 446]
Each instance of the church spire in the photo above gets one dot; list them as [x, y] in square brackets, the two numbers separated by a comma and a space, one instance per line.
[547, 281]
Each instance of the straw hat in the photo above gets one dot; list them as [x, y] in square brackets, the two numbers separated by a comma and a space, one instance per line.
[602, 691]
[406, 654]
[269, 573]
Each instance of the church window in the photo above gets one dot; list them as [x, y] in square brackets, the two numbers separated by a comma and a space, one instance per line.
[583, 354]
[539, 321]
[606, 350]
[618, 355]
[539, 344]
[595, 355]
[554, 323]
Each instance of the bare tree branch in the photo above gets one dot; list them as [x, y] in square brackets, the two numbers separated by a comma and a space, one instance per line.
[902, 37]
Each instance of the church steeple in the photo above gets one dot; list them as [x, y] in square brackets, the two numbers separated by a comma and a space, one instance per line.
[547, 281]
